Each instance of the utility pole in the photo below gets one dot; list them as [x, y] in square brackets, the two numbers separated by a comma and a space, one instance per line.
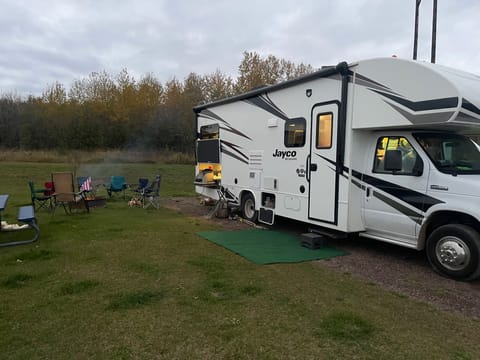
[415, 36]
[434, 32]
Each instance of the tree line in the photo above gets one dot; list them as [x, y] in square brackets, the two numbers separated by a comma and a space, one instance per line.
[120, 112]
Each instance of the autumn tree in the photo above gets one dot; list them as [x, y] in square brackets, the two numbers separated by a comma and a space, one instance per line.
[255, 71]
[9, 121]
[105, 111]
[218, 86]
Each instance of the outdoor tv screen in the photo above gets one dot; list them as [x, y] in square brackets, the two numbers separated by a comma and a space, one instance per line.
[208, 151]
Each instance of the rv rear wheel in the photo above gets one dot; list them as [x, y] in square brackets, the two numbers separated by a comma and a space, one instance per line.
[453, 250]
[248, 207]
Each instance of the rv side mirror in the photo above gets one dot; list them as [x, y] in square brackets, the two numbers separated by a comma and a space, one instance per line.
[393, 160]
[418, 167]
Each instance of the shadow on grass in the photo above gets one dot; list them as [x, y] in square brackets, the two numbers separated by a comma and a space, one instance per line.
[145, 268]
[126, 301]
[78, 287]
[122, 353]
[219, 285]
[210, 265]
[250, 290]
[346, 326]
[16, 281]
[33, 255]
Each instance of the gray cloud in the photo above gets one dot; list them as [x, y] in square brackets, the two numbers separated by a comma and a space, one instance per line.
[49, 41]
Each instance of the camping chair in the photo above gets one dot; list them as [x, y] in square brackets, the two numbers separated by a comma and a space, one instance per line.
[137, 193]
[142, 184]
[85, 185]
[65, 194]
[117, 185]
[41, 198]
[151, 194]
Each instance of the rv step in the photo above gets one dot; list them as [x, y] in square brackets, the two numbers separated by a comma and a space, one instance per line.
[337, 235]
[313, 241]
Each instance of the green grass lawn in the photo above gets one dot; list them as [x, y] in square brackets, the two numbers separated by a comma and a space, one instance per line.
[129, 283]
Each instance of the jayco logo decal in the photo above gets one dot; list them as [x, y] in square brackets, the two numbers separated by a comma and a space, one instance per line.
[285, 154]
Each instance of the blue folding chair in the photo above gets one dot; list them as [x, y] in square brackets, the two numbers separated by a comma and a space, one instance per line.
[117, 185]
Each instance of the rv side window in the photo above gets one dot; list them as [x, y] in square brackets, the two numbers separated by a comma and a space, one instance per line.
[295, 132]
[209, 132]
[411, 163]
[324, 130]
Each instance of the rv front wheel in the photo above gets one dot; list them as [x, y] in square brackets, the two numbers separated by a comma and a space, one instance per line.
[248, 208]
[453, 250]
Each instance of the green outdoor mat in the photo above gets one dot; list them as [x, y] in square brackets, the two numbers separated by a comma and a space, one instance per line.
[267, 246]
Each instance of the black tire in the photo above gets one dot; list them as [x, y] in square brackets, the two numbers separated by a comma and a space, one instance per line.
[248, 208]
[453, 251]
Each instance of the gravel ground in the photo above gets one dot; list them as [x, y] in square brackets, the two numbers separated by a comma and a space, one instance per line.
[400, 270]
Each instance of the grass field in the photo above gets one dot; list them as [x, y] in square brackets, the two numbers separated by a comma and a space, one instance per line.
[129, 283]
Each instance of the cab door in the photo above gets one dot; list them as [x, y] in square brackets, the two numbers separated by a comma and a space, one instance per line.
[394, 199]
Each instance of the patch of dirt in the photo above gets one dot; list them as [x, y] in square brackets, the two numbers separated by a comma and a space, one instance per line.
[400, 270]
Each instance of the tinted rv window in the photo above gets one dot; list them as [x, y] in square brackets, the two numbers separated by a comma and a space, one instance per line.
[411, 162]
[295, 132]
[209, 132]
[324, 130]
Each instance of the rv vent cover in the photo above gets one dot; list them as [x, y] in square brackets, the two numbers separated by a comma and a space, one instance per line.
[255, 160]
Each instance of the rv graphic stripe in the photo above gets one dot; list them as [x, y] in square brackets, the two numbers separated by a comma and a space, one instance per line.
[236, 132]
[414, 198]
[208, 114]
[464, 117]
[357, 184]
[399, 207]
[429, 118]
[335, 166]
[235, 156]
[265, 103]
[230, 146]
[418, 200]
[423, 105]
[344, 169]
[467, 105]
[391, 201]
[371, 84]
[211, 115]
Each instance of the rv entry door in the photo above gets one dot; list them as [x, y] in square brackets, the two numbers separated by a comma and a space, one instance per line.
[321, 163]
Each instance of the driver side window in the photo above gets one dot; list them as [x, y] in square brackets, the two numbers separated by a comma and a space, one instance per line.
[411, 161]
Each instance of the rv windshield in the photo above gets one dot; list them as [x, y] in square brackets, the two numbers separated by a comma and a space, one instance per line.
[451, 153]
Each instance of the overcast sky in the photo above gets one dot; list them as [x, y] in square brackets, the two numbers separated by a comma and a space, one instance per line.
[42, 42]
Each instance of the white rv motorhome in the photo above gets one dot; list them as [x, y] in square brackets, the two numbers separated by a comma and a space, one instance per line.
[380, 147]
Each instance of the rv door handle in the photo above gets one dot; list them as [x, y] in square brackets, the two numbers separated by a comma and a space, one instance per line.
[313, 167]
[368, 191]
[307, 168]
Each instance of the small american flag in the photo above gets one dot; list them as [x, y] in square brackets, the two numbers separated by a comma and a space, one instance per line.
[87, 184]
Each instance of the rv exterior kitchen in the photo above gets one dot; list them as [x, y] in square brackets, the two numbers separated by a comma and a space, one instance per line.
[380, 147]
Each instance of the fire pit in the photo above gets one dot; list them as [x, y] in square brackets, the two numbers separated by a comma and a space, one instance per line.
[96, 201]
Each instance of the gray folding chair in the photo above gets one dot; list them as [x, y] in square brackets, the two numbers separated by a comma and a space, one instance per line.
[150, 195]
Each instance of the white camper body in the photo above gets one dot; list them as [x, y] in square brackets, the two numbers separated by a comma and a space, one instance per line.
[350, 148]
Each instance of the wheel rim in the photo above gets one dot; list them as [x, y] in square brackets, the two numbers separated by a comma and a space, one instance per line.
[249, 209]
[453, 253]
